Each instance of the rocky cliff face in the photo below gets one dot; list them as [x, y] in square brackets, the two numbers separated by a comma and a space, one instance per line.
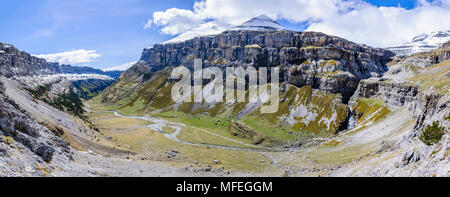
[18, 63]
[420, 83]
[393, 93]
[328, 63]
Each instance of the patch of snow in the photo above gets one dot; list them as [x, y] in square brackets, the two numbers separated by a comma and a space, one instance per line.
[422, 43]
[260, 23]
[206, 29]
[34, 81]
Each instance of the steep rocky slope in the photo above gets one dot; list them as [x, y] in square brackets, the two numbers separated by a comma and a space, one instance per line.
[16, 126]
[26, 145]
[52, 82]
[423, 89]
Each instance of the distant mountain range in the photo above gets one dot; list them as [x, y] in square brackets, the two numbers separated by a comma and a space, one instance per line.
[422, 43]
[68, 69]
[14, 62]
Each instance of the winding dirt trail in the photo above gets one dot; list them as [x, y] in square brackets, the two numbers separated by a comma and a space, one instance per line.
[158, 125]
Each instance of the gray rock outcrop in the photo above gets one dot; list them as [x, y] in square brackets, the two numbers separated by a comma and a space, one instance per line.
[395, 94]
[17, 125]
[18, 63]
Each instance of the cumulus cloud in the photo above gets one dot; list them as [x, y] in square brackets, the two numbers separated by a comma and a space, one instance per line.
[176, 21]
[71, 57]
[355, 20]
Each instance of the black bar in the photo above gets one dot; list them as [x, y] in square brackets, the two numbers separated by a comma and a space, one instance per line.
[168, 186]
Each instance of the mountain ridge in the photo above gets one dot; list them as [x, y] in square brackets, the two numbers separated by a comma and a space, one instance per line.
[260, 23]
[422, 43]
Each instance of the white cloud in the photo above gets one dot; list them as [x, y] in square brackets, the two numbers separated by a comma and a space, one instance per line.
[122, 67]
[148, 25]
[176, 21]
[355, 20]
[71, 57]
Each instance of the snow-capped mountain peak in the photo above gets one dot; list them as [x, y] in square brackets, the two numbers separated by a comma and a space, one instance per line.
[260, 23]
[422, 43]
[206, 29]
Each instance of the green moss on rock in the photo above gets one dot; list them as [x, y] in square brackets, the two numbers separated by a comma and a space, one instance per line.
[370, 110]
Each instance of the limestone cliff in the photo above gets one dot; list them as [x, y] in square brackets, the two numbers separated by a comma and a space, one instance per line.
[328, 63]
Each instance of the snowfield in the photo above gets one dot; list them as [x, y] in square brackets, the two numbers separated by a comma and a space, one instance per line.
[34, 81]
[422, 43]
[260, 23]
[206, 29]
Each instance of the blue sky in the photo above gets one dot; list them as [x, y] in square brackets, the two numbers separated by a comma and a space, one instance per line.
[114, 29]
[409, 4]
